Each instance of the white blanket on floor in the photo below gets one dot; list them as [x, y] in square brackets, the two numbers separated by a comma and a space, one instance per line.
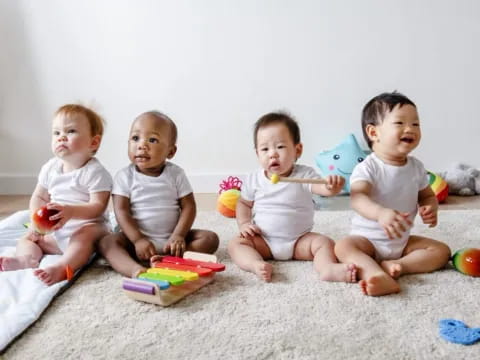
[22, 296]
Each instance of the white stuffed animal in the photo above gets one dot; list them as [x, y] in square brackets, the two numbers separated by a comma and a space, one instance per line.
[462, 180]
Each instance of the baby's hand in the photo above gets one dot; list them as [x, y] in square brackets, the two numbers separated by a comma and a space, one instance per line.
[334, 183]
[429, 214]
[249, 230]
[65, 213]
[394, 222]
[176, 245]
[144, 248]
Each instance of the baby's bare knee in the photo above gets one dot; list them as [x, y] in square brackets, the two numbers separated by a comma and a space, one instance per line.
[342, 247]
[235, 243]
[322, 242]
[109, 241]
[443, 252]
[211, 241]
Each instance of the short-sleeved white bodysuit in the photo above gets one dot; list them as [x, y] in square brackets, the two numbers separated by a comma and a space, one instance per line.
[283, 211]
[394, 187]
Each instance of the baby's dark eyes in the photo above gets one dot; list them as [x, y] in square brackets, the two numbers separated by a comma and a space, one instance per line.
[153, 140]
[72, 131]
[135, 138]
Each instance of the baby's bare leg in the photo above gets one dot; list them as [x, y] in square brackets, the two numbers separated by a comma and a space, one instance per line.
[204, 241]
[421, 255]
[117, 249]
[249, 255]
[319, 248]
[78, 252]
[359, 251]
[27, 255]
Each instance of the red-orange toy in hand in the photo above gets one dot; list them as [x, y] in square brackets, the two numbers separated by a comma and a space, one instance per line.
[41, 220]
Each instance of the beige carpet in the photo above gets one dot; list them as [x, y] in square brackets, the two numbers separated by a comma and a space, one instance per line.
[294, 317]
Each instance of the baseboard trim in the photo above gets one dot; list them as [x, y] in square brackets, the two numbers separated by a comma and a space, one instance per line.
[23, 184]
[17, 184]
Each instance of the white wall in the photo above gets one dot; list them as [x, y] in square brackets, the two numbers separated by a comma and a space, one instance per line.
[216, 66]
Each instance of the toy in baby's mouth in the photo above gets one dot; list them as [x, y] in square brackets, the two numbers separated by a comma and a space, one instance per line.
[467, 261]
[173, 278]
[229, 194]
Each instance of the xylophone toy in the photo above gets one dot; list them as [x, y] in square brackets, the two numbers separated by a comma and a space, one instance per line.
[173, 278]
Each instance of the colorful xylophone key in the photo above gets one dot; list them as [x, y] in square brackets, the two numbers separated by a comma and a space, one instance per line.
[200, 271]
[189, 262]
[169, 282]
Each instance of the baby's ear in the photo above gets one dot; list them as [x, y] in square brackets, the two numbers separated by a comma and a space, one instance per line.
[96, 140]
[171, 153]
[371, 131]
[299, 150]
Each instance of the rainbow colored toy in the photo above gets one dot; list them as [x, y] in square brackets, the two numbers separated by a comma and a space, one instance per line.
[229, 194]
[173, 278]
[467, 261]
[439, 186]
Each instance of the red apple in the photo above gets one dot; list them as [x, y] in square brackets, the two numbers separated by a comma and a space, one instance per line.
[41, 220]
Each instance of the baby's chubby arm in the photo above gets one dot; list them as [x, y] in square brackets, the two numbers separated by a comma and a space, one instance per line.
[244, 219]
[428, 206]
[392, 221]
[144, 248]
[94, 208]
[40, 197]
[188, 210]
[333, 186]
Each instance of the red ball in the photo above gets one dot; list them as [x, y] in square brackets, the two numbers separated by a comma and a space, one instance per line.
[41, 220]
[467, 261]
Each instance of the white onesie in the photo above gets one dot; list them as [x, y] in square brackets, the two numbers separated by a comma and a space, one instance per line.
[283, 211]
[74, 187]
[394, 187]
[154, 200]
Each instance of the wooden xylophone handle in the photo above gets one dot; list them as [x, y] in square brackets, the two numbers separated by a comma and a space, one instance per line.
[302, 180]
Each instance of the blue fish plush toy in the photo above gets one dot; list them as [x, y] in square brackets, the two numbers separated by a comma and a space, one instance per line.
[341, 159]
[457, 332]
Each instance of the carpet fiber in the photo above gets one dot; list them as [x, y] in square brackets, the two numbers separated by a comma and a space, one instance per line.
[239, 317]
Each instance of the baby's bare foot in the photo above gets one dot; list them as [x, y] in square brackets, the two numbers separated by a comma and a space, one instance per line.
[51, 274]
[339, 272]
[393, 268]
[379, 285]
[16, 263]
[263, 270]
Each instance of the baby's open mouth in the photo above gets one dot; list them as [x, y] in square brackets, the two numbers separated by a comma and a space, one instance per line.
[408, 140]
